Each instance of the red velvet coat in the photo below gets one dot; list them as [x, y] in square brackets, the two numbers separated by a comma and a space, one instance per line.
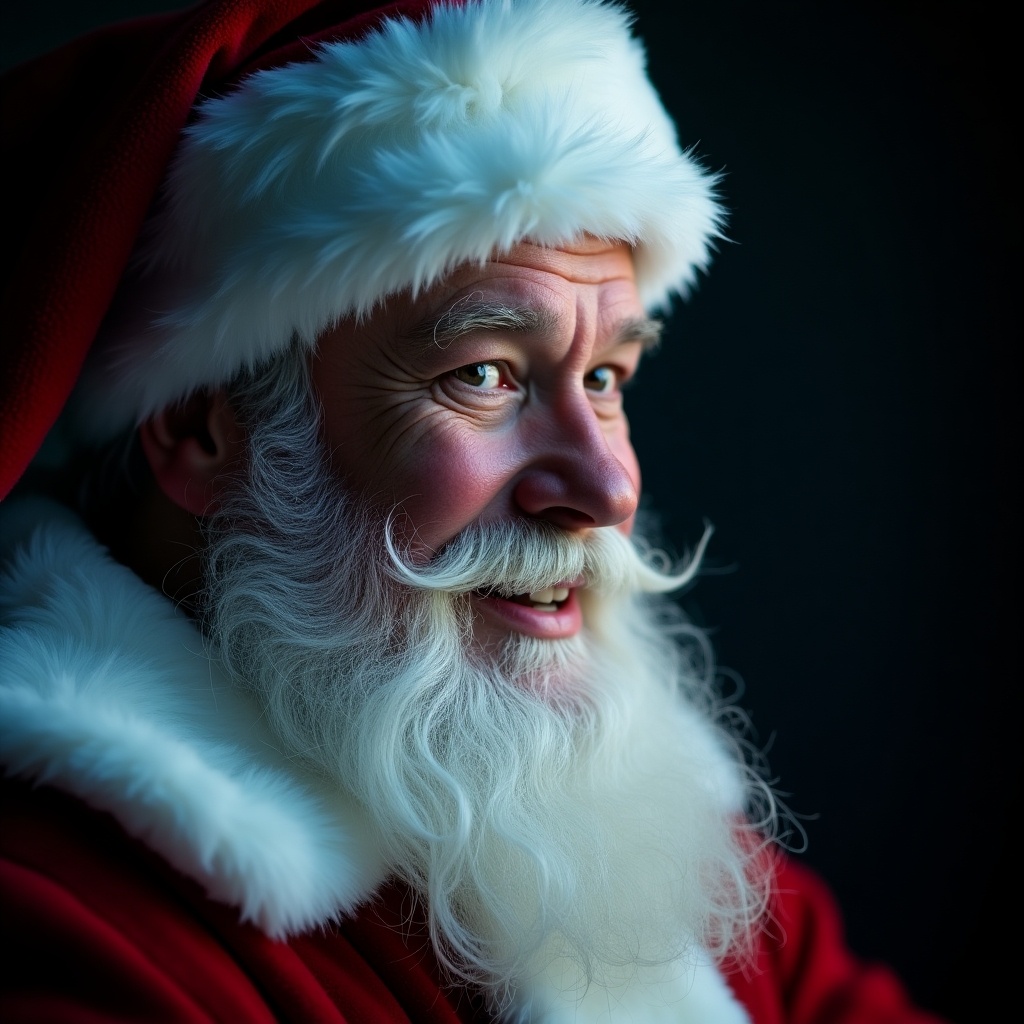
[97, 928]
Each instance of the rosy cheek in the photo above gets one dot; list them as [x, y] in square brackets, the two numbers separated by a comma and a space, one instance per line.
[445, 489]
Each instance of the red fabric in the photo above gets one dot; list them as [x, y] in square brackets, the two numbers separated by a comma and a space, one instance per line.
[88, 131]
[804, 971]
[96, 928]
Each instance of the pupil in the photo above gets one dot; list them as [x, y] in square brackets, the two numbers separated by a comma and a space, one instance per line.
[475, 374]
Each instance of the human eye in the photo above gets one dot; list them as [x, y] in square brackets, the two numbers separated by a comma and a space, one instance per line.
[602, 379]
[480, 375]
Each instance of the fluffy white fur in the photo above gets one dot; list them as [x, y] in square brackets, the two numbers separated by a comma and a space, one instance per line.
[316, 189]
[106, 692]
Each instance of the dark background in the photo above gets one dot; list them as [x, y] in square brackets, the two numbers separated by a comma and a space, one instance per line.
[841, 399]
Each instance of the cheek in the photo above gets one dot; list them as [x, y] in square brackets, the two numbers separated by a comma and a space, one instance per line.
[409, 460]
[443, 484]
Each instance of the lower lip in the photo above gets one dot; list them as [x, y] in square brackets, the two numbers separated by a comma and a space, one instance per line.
[509, 616]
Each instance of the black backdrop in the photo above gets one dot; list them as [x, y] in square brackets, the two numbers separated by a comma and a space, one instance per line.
[841, 399]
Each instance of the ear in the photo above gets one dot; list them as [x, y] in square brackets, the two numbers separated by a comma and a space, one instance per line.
[190, 447]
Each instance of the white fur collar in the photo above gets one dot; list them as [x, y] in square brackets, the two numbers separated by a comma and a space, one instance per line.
[107, 693]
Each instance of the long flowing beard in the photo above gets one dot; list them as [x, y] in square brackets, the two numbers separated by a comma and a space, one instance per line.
[577, 799]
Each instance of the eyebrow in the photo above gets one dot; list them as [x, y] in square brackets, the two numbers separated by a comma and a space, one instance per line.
[645, 329]
[469, 315]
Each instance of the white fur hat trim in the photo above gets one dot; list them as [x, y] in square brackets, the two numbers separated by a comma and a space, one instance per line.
[314, 190]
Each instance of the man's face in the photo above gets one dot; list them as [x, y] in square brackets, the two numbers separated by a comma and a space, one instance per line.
[494, 395]
[551, 793]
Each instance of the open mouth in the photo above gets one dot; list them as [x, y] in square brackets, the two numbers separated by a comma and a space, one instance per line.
[551, 613]
[550, 599]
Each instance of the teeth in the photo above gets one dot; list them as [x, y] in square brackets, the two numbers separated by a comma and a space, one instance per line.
[549, 595]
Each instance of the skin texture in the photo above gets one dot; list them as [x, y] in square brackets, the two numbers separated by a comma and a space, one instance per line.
[494, 423]
[442, 430]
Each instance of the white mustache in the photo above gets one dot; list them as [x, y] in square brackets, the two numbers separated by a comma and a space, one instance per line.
[521, 557]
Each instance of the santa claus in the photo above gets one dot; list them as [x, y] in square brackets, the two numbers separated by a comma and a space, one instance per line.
[338, 680]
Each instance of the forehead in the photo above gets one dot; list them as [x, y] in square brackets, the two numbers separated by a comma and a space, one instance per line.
[591, 274]
[589, 260]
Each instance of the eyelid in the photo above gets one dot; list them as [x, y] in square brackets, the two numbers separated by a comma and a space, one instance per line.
[627, 355]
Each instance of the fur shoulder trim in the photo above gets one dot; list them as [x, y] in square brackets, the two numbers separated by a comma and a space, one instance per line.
[107, 693]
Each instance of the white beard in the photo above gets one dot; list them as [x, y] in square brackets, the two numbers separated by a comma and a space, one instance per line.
[563, 800]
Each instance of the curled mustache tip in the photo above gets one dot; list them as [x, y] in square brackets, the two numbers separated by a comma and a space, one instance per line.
[508, 559]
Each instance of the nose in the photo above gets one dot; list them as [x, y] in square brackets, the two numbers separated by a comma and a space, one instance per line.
[576, 481]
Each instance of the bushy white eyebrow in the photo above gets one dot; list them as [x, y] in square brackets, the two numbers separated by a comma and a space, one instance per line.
[474, 314]
[471, 314]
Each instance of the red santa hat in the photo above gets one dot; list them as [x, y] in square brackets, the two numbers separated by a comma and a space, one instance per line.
[199, 189]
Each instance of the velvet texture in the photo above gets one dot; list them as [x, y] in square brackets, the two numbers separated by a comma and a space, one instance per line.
[149, 946]
[84, 163]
